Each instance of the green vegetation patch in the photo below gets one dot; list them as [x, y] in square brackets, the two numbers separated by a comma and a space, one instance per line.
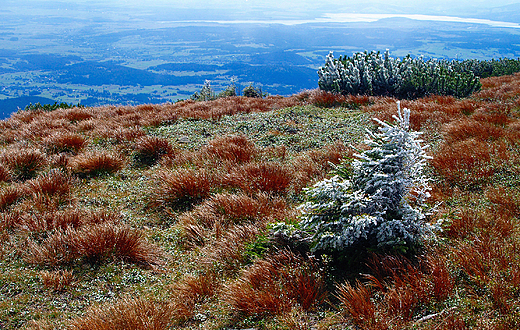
[297, 128]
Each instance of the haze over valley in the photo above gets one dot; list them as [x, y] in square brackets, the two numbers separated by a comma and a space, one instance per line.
[122, 52]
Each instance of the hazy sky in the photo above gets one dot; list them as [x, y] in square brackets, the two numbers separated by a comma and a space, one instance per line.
[269, 9]
[298, 3]
[295, 5]
[333, 5]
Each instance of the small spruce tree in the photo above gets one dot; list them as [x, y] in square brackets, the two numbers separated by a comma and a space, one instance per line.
[376, 202]
[251, 91]
[206, 93]
[230, 91]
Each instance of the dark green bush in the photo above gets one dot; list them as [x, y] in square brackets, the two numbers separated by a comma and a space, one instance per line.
[251, 91]
[50, 107]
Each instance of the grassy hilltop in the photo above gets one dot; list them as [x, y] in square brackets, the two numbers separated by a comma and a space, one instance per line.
[158, 216]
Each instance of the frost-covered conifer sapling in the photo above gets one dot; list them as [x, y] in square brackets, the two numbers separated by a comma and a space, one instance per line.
[378, 202]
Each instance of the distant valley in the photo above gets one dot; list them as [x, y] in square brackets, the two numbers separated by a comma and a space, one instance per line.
[103, 60]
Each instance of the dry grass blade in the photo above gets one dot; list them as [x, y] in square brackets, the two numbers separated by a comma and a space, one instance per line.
[464, 162]
[10, 195]
[8, 221]
[97, 242]
[257, 292]
[406, 286]
[71, 218]
[506, 201]
[228, 250]
[443, 283]
[193, 290]
[76, 114]
[5, 175]
[465, 128]
[401, 300]
[228, 209]
[55, 183]
[54, 250]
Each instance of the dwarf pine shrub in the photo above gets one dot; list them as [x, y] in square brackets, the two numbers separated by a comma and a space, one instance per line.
[376, 202]
[491, 68]
[379, 74]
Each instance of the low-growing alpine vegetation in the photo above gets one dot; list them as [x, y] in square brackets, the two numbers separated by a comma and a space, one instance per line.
[162, 216]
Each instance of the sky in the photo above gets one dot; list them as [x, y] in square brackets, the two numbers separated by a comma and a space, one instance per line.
[265, 10]
[330, 5]
[306, 3]
[276, 11]
[290, 8]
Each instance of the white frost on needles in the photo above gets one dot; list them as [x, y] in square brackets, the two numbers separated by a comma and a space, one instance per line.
[382, 202]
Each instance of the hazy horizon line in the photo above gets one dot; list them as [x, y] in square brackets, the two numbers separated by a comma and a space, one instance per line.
[358, 18]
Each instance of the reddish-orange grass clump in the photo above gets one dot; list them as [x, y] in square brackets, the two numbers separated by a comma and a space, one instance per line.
[404, 288]
[230, 106]
[53, 251]
[228, 209]
[228, 249]
[4, 174]
[276, 285]
[234, 148]
[193, 290]
[228, 218]
[57, 280]
[55, 183]
[488, 262]
[10, 195]
[506, 201]
[126, 313]
[182, 188]
[71, 218]
[357, 301]
[73, 115]
[23, 163]
[465, 162]
[322, 98]
[94, 163]
[466, 128]
[430, 112]
[271, 177]
[106, 240]
[148, 150]
[314, 164]
[95, 244]
[64, 142]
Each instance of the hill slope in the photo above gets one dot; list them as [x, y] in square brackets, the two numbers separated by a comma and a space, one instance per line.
[118, 217]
